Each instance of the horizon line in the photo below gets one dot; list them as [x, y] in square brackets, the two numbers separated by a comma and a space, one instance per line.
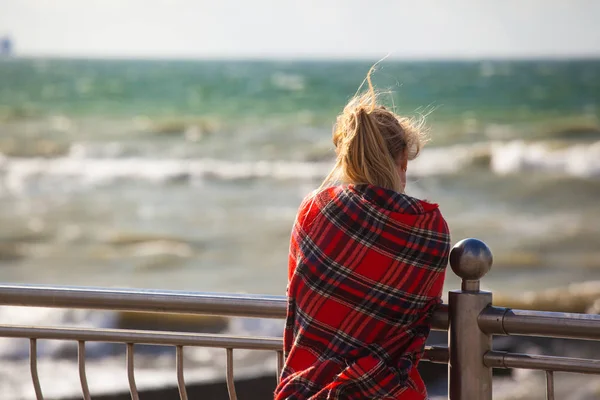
[310, 58]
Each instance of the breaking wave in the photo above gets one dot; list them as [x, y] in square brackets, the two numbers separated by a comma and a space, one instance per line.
[501, 158]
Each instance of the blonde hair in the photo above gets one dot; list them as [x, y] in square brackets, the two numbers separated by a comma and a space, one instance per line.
[370, 140]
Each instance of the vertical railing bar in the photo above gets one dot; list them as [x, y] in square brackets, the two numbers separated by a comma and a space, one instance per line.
[33, 367]
[549, 385]
[180, 378]
[130, 373]
[279, 365]
[230, 383]
[81, 363]
[469, 378]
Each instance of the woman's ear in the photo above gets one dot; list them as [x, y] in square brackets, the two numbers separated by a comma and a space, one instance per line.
[404, 164]
[402, 167]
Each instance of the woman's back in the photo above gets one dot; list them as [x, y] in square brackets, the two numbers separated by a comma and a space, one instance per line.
[367, 267]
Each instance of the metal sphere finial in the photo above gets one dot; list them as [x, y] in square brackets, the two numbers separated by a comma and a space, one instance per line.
[471, 259]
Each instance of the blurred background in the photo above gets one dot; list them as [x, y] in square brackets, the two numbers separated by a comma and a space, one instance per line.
[167, 144]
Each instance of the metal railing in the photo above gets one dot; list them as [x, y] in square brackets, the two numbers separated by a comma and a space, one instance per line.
[158, 301]
[470, 318]
[474, 320]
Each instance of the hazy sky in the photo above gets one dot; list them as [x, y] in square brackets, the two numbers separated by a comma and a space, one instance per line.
[286, 28]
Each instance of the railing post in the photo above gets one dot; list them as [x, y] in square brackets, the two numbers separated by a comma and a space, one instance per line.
[470, 379]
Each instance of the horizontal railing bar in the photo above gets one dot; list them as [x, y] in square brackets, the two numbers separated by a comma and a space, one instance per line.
[144, 300]
[165, 301]
[440, 320]
[506, 321]
[499, 359]
[435, 354]
[142, 337]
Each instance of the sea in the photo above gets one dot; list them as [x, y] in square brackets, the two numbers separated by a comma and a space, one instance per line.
[186, 175]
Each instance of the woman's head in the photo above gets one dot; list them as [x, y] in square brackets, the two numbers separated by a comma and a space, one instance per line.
[373, 145]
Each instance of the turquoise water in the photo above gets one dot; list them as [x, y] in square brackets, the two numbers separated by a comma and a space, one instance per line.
[187, 174]
[503, 91]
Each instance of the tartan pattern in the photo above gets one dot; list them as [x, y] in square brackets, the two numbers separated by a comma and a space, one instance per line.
[366, 270]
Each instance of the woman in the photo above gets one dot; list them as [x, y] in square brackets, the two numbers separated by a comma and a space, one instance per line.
[366, 267]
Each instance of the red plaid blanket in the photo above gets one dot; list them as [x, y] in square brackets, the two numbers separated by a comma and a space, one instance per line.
[366, 270]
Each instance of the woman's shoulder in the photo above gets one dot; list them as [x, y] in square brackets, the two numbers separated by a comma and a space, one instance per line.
[315, 201]
[321, 194]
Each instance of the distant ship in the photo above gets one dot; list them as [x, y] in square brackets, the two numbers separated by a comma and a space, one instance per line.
[6, 47]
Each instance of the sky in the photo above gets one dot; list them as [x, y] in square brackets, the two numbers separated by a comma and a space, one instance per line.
[303, 29]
